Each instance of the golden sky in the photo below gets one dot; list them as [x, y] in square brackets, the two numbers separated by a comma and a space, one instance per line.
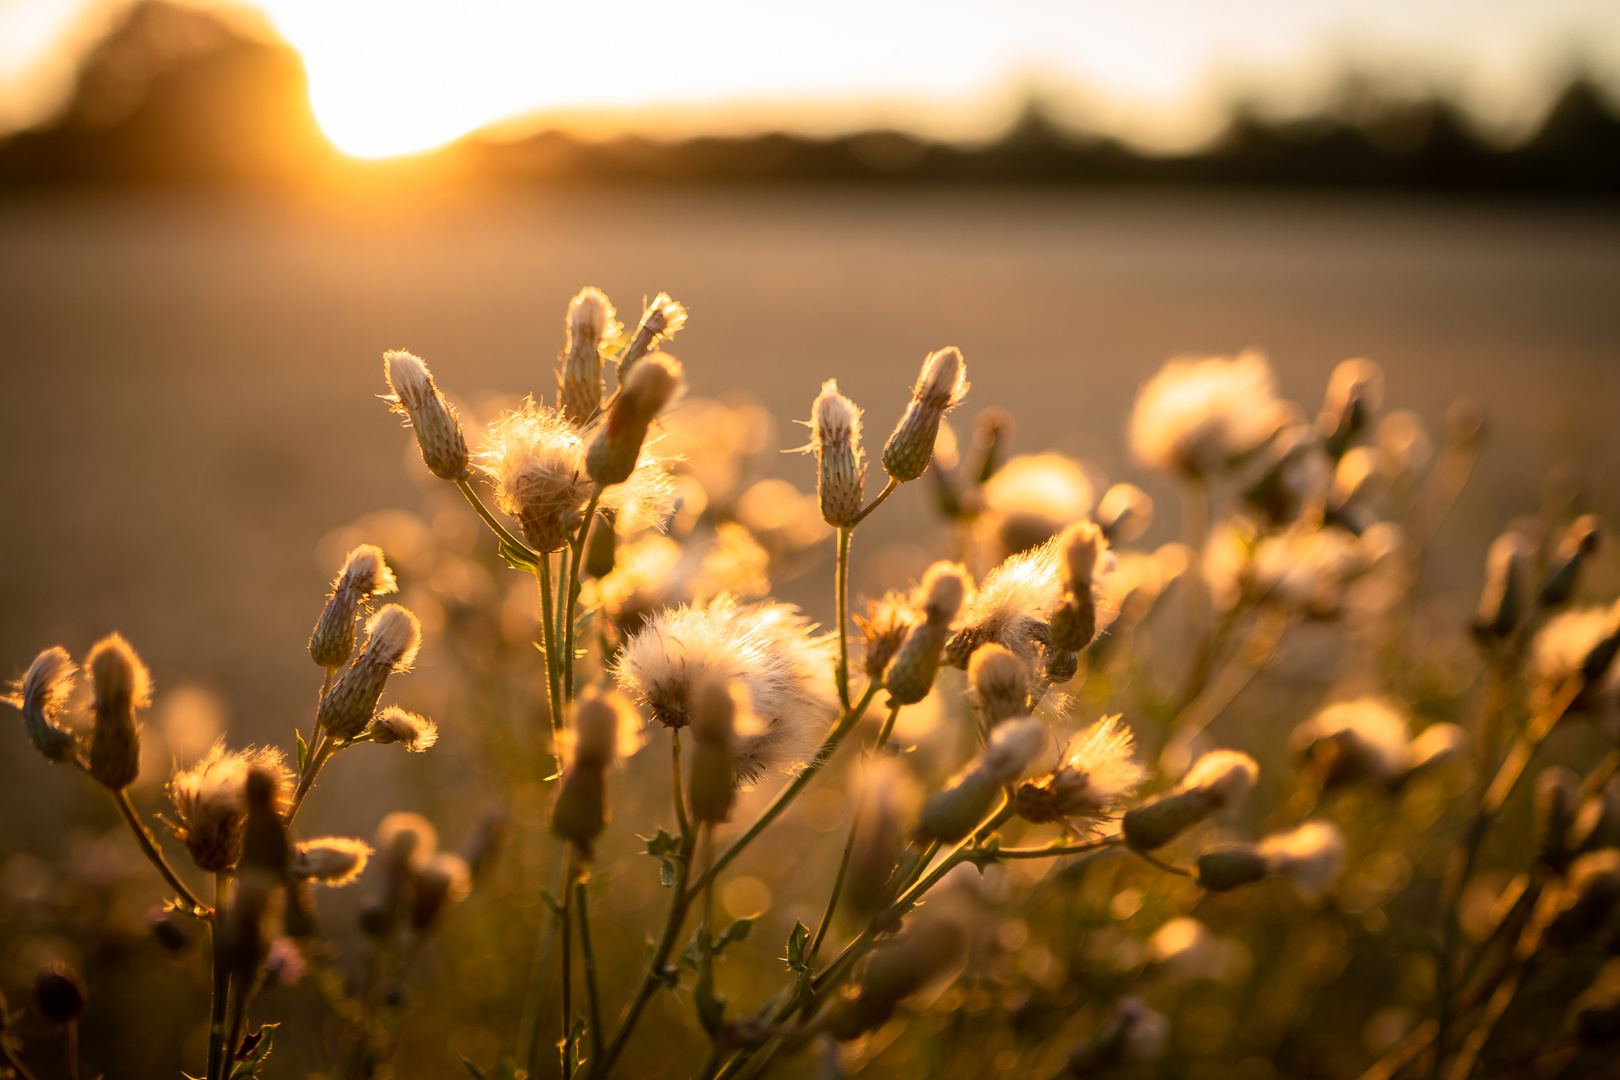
[396, 76]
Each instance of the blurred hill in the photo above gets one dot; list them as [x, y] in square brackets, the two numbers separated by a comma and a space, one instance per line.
[173, 96]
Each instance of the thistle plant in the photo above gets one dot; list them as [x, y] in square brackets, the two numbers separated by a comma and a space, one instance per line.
[1080, 785]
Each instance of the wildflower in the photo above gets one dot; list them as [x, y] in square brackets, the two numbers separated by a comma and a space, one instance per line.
[334, 861]
[1220, 780]
[956, 810]
[591, 323]
[211, 802]
[1577, 544]
[941, 386]
[933, 944]
[365, 574]
[395, 725]
[661, 319]
[438, 431]
[616, 452]
[392, 637]
[443, 879]
[1505, 598]
[768, 649]
[1096, 777]
[581, 812]
[1032, 499]
[1354, 740]
[1133, 1034]
[1198, 416]
[911, 674]
[41, 695]
[1124, 513]
[884, 627]
[1355, 393]
[537, 461]
[712, 785]
[1000, 685]
[122, 686]
[835, 437]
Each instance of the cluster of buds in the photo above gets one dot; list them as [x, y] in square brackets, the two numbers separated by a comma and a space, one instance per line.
[580, 811]
[1219, 781]
[392, 637]
[1073, 624]
[365, 574]
[910, 675]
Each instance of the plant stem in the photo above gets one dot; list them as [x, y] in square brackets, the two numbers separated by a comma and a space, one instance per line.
[566, 614]
[522, 551]
[548, 635]
[589, 955]
[325, 747]
[154, 854]
[8, 1056]
[72, 1050]
[567, 1043]
[841, 589]
[785, 798]
[221, 985]
[888, 489]
[529, 1019]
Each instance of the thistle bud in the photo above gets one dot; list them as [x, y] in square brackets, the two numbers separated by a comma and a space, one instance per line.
[395, 725]
[712, 787]
[952, 813]
[1074, 624]
[661, 319]
[1133, 1035]
[60, 993]
[241, 938]
[654, 384]
[1124, 514]
[333, 861]
[1311, 857]
[911, 675]
[1000, 683]
[993, 428]
[884, 627]
[1061, 666]
[1229, 868]
[940, 387]
[835, 437]
[1220, 780]
[41, 695]
[927, 950]
[264, 836]
[1556, 791]
[1436, 745]
[600, 545]
[121, 686]
[590, 322]
[392, 637]
[1503, 601]
[1590, 894]
[442, 880]
[438, 432]
[581, 812]
[878, 843]
[1355, 392]
[405, 841]
[1578, 543]
[363, 576]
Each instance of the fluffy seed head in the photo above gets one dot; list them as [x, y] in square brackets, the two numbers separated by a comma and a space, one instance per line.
[405, 841]
[1031, 499]
[591, 322]
[835, 437]
[1015, 603]
[365, 574]
[122, 685]
[652, 387]
[438, 431]
[211, 802]
[1001, 684]
[395, 725]
[1124, 513]
[331, 860]
[41, 695]
[1197, 416]
[1311, 856]
[393, 635]
[1356, 740]
[442, 880]
[1096, 777]
[1227, 776]
[884, 627]
[941, 386]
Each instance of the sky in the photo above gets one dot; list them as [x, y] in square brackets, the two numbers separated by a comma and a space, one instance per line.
[398, 76]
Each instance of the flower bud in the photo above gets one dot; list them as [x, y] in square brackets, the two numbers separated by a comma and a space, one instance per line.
[1597, 821]
[60, 993]
[392, 637]
[884, 627]
[395, 725]
[928, 949]
[1578, 543]
[1229, 868]
[1124, 514]
[41, 695]
[1133, 1035]
[712, 787]
[438, 432]
[1000, 683]
[590, 321]
[121, 686]
[911, 675]
[1556, 791]
[878, 843]
[240, 939]
[941, 386]
[581, 812]
[654, 384]
[1220, 780]
[333, 861]
[661, 319]
[835, 436]
[1355, 392]
[1590, 895]
[1311, 856]
[264, 836]
[950, 814]
[1503, 602]
[442, 880]
[363, 576]
[600, 545]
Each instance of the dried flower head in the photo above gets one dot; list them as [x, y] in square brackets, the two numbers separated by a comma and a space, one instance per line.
[768, 649]
[1353, 741]
[395, 725]
[1093, 781]
[835, 438]
[41, 694]
[211, 802]
[616, 451]
[334, 861]
[393, 635]
[1014, 604]
[365, 574]
[1000, 685]
[1031, 499]
[884, 627]
[659, 320]
[537, 461]
[438, 431]
[1311, 856]
[591, 323]
[941, 386]
[121, 686]
[1198, 416]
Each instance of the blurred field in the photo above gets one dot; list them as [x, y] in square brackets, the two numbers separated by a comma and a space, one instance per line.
[188, 383]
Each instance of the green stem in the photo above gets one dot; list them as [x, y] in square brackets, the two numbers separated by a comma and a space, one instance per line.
[567, 1043]
[566, 614]
[519, 551]
[154, 854]
[219, 1001]
[8, 1056]
[841, 588]
[589, 955]
[548, 635]
[325, 747]
[888, 489]
[529, 1019]
[785, 798]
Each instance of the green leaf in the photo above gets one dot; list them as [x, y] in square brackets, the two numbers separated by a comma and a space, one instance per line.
[517, 560]
[255, 1048]
[303, 751]
[737, 931]
[662, 847]
[796, 942]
